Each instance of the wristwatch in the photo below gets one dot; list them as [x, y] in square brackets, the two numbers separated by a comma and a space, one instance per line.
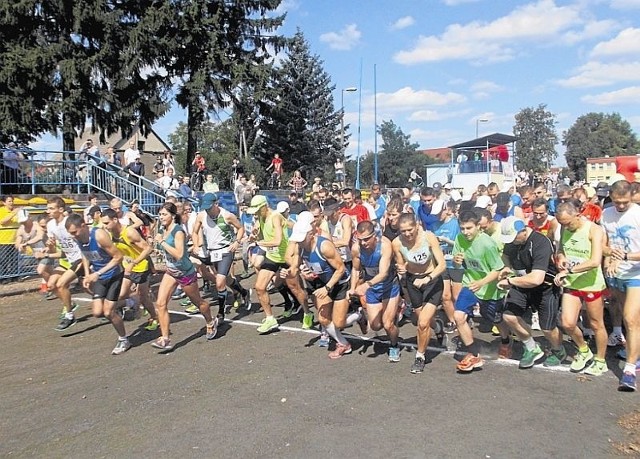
[626, 256]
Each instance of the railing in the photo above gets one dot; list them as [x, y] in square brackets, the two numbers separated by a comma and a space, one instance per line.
[469, 167]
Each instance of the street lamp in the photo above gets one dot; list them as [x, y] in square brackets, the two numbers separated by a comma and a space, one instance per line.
[349, 89]
[480, 120]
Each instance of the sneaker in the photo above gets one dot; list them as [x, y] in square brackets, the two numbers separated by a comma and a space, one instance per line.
[418, 366]
[505, 351]
[627, 382]
[193, 309]
[495, 331]
[469, 363]
[307, 321]
[246, 299]
[597, 368]
[122, 346]
[476, 311]
[152, 325]
[450, 327]
[212, 329]
[287, 313]
[66, 323]
[49, 295]
[535, 321]
[74, 308]
[268, 325]
[341, 349]
[394, 354]
[616, 340]
[529, 358]
[162, 343]
[555, 357]
[363, 322]
[185, 303]
[178, 294]
[324, 340]
[580, 361]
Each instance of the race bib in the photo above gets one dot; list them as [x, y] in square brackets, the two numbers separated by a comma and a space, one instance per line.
[216, 255]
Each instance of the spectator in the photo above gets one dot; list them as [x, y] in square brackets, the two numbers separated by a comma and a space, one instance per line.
[295, 205]
[338, 166]
[317, 186]
[185, 189]
[136, 172]
[131, 154]
[241, 191]
[11, 165]
[158, 166]
[297, 183]
[8, 226]
[169, 162]
[209, 186]
[93, 202]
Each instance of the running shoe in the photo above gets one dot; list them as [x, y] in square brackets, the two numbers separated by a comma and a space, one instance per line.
[74, 308]
[152, 325]
[122, 346]
[530, 357]
[186, 302]
[580, 361]
[163, 344]
[535, 321]
[324, 340]
[267, 325]
[341, 349]
[469, 363]
[597, 368]
[616, 340]
[627, 382]
[622, 354]
[394, 354]
[418, 366]
[212, 329]
[505, 351]
[193, 309]
[307, 321]
[450, 327]
[178, 294]
[287, 313]
[49, 295]
[495, 331]
[66, 323]
[363, 322]
[555, 357]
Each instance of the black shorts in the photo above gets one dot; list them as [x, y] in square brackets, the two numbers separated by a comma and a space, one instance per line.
[544, 300]
[337, 293]
[78, 268]
[272, 266]
[138, 278]
[108, 289]
[452, 274]
[430, 293]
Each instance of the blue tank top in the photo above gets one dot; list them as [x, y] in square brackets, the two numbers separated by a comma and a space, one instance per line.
[98, 257]
[319, 265]
[371, 264]
[499, 216]
[178, 267]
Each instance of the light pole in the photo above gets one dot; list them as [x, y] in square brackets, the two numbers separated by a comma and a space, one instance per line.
[349, 89]
[478, 121]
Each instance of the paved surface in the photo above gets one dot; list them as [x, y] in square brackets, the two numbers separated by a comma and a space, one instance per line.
[244, 395]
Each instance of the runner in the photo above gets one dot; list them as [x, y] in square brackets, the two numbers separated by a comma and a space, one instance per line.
[579, 260]
[420, 260]
[451, 277]
[542, 222]
[172, 240]
[102, 263]
[380, 289]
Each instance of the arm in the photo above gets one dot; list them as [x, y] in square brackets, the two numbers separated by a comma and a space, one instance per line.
[441, 264]
[136, 222]
[177, 251]
[401, 264]
[6, 220]
[233, 221]
[142, 245]
[104, 241]
[347, 230]
[355, 269]
[195, 233]
[383, 267]
[329, 252]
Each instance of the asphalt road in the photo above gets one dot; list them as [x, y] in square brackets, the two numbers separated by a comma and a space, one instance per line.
[244, 395]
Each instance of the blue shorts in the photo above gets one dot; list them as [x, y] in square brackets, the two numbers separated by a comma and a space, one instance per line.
[467, 300]
[622, 284]
[378, 294]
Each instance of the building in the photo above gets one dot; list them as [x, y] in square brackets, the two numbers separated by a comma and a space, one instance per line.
[600, 169]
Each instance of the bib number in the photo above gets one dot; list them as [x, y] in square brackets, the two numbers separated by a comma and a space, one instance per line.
[216, 256]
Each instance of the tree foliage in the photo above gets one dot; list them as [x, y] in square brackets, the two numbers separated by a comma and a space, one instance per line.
[535, 129]
[301, 124]
[595, 135]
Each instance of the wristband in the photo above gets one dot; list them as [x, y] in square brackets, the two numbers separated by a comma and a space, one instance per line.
[626, 256]
[509, 281]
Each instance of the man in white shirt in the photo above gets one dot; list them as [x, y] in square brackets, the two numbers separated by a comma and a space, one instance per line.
[130, 154]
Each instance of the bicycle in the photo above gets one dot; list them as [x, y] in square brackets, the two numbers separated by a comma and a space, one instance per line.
[274, 181]
[196, 180]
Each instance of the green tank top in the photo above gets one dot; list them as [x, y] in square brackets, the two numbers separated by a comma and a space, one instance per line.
[275, 254]
[577, 248]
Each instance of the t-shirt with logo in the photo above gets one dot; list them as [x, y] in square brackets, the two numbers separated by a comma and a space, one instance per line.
[481, 257]
[623, 230]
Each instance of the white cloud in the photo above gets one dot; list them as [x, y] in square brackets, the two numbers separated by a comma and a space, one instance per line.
[483, 89]
[433, 115]
[626, 42]
[502, 38]
[287, 5]
[458, 2]
[595, 73]
[625, 4]
[407, 98]
[630, 95]
[346, 39]
[403, 23]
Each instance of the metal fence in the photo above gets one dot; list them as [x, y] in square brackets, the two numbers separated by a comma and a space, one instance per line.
[13, 264]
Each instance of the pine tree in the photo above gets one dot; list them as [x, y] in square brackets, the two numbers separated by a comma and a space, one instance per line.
[301, 124]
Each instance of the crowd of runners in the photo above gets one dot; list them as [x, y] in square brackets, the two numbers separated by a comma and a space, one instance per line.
[521, 259]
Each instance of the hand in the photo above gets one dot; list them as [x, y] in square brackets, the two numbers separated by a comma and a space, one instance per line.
[321, 293]
[284, 273]
[475, 286]
[458, 258]
[612, 268]
[158, 238]
[361, 289]
[560, 278]
[506, 272]
[128, 268]
[503, 284]
[617, 254]
[401, 268]
[562, 263]
[38, 254]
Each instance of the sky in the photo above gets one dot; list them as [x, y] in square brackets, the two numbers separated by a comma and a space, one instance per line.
[444, 68]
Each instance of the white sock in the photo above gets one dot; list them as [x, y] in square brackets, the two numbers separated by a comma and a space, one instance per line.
[420, 355]
[629, 368]
[353, 318]
[617, 331]
[68, 315]
[269, 317]
[335, 334]
[530, 344]
[122, 338]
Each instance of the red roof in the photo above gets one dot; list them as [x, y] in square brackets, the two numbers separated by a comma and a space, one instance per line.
[438, 154]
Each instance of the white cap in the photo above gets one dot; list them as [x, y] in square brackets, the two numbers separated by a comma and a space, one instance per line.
[302, 227]
[483, 201]
[447, 186]
[282, 206]
[437, 206]
[455, 195]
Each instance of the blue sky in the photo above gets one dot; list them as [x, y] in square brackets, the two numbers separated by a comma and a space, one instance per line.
[444, 64]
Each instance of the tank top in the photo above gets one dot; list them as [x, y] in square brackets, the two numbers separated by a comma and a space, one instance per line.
[218, 235]
[337, 233]
[389, 232]
[371, 266]
[544, 229]
[275, 254]
[420, 254]
[130, 252]
[177, 267]
[98, 257]
[69, 245]
[499, 216]
[319, 265]
[577, 248]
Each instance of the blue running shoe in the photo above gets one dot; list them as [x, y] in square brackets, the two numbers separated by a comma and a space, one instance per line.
[627, 382]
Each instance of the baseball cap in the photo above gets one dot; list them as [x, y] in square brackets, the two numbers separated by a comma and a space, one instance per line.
[483, 201]
[447, 186]
[602, 190]
[330, 206]
[282, 207]
[23, 215]
[208, 200]
[510, 227]
[437, 206]
[301, 227]
[257, 202]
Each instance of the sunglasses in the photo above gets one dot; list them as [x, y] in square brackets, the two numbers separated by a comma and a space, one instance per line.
[366, 238]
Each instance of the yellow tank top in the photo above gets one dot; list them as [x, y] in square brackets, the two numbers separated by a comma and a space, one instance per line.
[275, 254]
[130, 252]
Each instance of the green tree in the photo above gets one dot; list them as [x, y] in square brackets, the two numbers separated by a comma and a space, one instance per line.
[595, 135]
[301, 124]
[536, 138]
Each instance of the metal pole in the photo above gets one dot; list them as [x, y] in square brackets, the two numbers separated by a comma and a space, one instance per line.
[375, 124]
[357, 184]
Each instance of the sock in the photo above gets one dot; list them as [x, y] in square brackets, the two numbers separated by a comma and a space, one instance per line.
[617, 331]
[598, 359]
[269, 317]
[353, 318]
[68, 315]
[583, 349]
[237, 287]
[222, 301]
[335, 334]
[122, 338]
[529, 343]
[65, 310]
[629, 368]
[284, 291]
[473, 348]
[420, 355]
